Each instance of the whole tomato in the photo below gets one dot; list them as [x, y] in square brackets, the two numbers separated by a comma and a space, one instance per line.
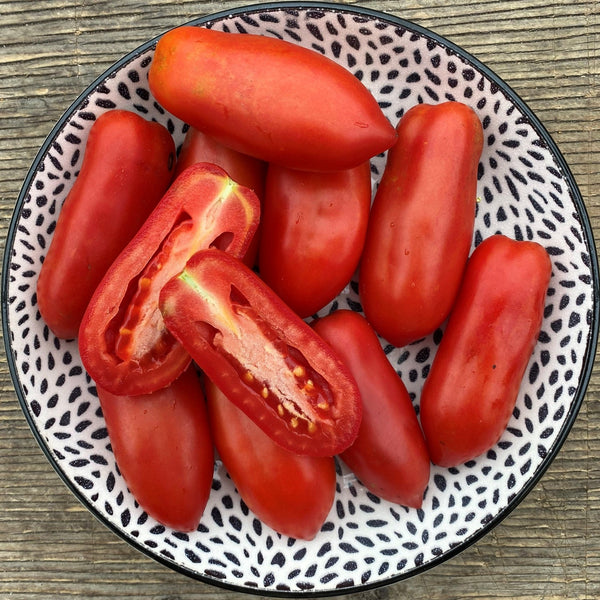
[471, 390]
[290, 493]
[421, 226]
[268, 98]
[313, 232]
[163, 447]
[127, 166]
[389, 455]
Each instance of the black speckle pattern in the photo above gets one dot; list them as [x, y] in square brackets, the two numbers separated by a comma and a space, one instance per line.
[523, 193]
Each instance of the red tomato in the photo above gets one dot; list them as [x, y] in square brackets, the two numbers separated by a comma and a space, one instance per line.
[261, 355]
[127, 166]
[290, 493]
[199, 147]
[163, 448]
[422, 219]
[389, 455]
[124, 344]
[313, 232]
[246, 170]
[471, 390]
[268, 98]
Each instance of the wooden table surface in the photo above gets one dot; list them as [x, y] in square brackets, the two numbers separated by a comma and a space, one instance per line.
[51, 547]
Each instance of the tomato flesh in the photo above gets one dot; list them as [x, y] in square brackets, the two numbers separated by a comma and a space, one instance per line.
[287, 382]
[124, 343]
[262, 355]
[246, 170]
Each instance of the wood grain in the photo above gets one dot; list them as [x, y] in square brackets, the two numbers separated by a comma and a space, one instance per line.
[548, 51]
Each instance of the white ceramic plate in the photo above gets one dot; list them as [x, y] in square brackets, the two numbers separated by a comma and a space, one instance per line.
[526, 191]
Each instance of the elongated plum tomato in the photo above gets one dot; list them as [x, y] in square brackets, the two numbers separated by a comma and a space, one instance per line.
[243, 169]
[123, 341]
[261, 355]
[290, 493]
[472, 387]
[389, 456]
[313, 232]
[268, 98]
[421, 224]
[163, 448]
[126, 168]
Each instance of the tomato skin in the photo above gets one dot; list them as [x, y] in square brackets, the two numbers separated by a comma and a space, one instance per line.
[123, 341]
[314, 227]
[261, 355]
[163, 447]
[290, 493]
[471, 390]
[422, 220]
[268, 98]
[246, 170]
[389, 456]
[199, 147]
[126, 168]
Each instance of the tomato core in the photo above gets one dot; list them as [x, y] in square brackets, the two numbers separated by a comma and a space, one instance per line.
[141, 331]
[270, 367]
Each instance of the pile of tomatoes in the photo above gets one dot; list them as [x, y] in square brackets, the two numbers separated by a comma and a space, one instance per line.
[191, 300]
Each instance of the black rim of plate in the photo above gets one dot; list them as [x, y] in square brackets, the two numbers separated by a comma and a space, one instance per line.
[577, 200]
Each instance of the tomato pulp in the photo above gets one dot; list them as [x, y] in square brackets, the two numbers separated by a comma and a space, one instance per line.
[123, 341]
[261, 355]
[243, 169]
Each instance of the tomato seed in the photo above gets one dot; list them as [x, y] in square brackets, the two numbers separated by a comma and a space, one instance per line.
[299, 371]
